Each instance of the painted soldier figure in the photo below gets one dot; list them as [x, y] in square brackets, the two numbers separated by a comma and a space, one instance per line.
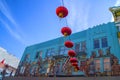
[27, 69]
[100, 52]
[68, 69]
[50, 66]
[87, 68]
[93, 55]
[115, 68]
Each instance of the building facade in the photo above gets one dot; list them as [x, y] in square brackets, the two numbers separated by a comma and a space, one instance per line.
[97, 48]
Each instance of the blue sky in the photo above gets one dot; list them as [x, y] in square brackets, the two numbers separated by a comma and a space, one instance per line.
[27, 22]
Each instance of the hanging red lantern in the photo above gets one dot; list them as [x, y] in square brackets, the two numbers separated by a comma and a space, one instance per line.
[77, 68]
[72, 60]
[68, 44]
[75, 64]
[71, 53]
[61, 11]
[66, 31]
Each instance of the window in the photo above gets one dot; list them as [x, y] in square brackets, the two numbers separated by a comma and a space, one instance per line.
[50, 52]
[63, 50]
[83, 46]
[77, 47]
[22, 69]
[96, 43]
[106, 64]
[66, 51]
[38, 54]
[104, 42]
[27, 57]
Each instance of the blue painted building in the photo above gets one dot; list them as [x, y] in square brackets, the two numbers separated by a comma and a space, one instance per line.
[100, 37]
[97, 47]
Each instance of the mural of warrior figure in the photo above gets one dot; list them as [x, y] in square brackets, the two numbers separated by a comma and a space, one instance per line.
[115, 68]
[27, 69]
[50, 66]
[39, 65]
[108, 51]
[87, 68]
[22, 66]
[93, 54]
[68, 69]
[100, 52]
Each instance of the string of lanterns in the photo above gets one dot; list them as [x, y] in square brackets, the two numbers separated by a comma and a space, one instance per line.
[62, 12]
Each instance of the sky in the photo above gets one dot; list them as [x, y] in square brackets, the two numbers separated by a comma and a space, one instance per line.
[27, 22]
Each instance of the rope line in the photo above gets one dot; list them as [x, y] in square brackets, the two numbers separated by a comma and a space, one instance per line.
[62, 2]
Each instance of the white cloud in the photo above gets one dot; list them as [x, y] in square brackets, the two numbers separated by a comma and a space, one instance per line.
[13, 29]
[78, 15]
[9, 59]
[117, 3]
[4, 9]
[13, 33]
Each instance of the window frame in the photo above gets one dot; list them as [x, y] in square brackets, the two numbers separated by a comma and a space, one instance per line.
[38, 54]
[83, 46]
[104, 44]
[77, 47]
[63, 50]
[50, 52]
[95, 43]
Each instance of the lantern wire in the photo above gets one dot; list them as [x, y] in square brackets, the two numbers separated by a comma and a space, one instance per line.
[66, 21]
[65, 17]
[69, 38]
[62, 2]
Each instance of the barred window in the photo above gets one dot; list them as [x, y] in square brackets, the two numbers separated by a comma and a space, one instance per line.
[96, 43]
[83, 46]
[104, 42]
[50, 52]
[63, 50]
[77, 47]
[38, 54]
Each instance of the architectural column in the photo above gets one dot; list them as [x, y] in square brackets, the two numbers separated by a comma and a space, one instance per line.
[116, 15]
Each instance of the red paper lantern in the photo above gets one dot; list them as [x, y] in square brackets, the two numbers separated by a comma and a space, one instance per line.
[75, 64]
[71, 53]
[68, 44]
[66, 31]
[61, 11]
[77, 68]
[73, 60]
